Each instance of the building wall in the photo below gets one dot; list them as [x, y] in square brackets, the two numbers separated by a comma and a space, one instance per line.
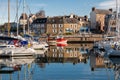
[112, 27]
[71, 26]
[49, 29]
[39, 28]
[55, 29]
[101, 19]
[97, 19]
[112, 23]
[93, 20]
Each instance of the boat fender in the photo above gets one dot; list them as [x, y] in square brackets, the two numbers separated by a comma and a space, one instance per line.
[112, 46]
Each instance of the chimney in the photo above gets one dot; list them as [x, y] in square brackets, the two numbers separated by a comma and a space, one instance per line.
[71, 15]
[93, 9]
[110, 10]
[86, 18]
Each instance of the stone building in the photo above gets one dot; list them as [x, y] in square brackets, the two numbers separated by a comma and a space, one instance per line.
[110, 23]
[97, 18]
[38, 26]
[70, 24]
[84, 24]
[55, 25]
[62, 25]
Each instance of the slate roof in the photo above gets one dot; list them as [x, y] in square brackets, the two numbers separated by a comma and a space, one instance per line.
[55, 20]
[40, 21]
[61, 20]
[70, 20]
[102, 11]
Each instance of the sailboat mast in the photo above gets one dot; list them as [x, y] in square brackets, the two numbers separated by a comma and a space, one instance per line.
[28, 25]
[117, 11]
[17, 15]
[24, 16]
[8, 17]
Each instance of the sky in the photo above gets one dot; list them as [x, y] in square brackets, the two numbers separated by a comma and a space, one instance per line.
[53, 7]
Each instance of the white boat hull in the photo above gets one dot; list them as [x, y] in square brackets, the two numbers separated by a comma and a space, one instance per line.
[18, 51]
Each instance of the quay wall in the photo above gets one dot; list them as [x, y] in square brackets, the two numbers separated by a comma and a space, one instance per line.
[78, 38]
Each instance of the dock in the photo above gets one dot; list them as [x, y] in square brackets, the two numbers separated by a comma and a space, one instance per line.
[77, 38]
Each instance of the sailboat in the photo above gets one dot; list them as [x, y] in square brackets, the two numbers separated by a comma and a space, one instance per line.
[36, 45]
[17, 47]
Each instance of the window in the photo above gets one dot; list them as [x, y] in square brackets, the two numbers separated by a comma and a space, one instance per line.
[43, 20]
[53, 55]
[75, 55]
[54, 25]
[60, 55]
[54, 30]
[42, 25]
[60, 31]
[54, 50]
[60, 25]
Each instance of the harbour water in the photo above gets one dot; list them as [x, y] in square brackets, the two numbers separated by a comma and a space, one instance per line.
[61, 62]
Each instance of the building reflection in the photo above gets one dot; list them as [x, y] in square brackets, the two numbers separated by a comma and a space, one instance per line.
[112, 63]
[71, 53]
[97, 62]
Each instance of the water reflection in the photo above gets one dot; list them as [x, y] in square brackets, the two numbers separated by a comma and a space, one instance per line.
[68, 62]
[74, 53]
[19, 66]
[116, 67]
[109, 64]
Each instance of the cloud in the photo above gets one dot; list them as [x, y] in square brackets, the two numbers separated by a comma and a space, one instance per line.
[108, 4]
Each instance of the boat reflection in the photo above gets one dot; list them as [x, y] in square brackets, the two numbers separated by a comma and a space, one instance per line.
[9, 66]
[58, 59]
